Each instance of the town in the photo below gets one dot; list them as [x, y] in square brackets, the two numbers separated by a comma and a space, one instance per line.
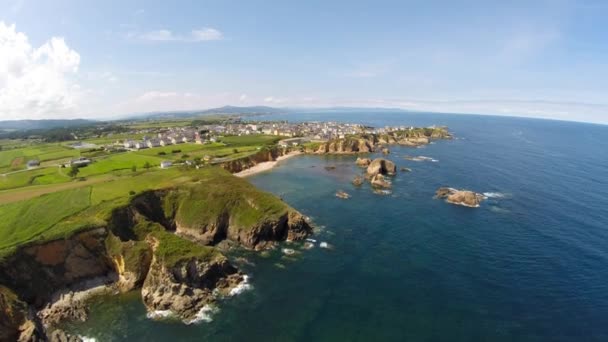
[203, 134]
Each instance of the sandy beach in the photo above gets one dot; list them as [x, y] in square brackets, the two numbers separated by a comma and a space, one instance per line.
[265, 166]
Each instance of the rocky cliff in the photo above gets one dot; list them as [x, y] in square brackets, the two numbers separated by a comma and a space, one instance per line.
[264, 155]
[160, 241]
[363, 143]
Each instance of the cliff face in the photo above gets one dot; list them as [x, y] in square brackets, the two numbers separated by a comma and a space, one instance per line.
[364, 143]
[346, 146]
[238, 165]
[36, 272]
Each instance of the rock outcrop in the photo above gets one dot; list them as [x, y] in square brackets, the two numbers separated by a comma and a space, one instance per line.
[186, 287]
[380, 181]
[460, 197]
[346, 146]
[381, 166]
[363, 162]
[364, 143]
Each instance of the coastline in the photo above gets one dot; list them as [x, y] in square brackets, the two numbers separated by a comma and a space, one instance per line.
[265, 166]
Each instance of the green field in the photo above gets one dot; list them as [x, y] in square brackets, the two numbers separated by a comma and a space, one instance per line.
[15, 159]
[26, 220]
[45, 203]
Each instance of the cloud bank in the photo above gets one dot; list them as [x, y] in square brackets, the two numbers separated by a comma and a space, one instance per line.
[36, 82]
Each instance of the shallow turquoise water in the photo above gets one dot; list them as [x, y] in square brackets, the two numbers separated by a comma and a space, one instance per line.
[530, 265]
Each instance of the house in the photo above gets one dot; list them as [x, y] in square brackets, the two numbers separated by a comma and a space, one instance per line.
[129, 144]
[141, 145]
[79, 162]
[177, 140]
[153, 143]
[165, 164]
[165, 142]
[33, 163]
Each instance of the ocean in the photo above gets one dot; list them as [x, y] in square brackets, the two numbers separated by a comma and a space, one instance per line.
[531, 264]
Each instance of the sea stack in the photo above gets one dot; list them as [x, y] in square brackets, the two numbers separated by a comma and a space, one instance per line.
[381, 166]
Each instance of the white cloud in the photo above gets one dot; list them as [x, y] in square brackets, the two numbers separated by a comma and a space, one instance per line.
[207, 34]
[197, 35]
[243, 97]
[36, 82]
[275, 100]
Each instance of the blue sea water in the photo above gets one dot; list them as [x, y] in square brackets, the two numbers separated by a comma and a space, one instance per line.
[531, 264]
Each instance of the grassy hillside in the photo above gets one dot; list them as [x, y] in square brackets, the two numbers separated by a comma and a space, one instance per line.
[27, 220]
[198, 197]
[217, 193]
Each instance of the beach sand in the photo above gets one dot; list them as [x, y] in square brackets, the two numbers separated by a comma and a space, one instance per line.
[265, 166]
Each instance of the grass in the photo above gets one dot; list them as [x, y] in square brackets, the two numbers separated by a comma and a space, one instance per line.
[248, 140]
[27, 220]
[42, 152]
[117, 162]
[217, 193]
[44, 204]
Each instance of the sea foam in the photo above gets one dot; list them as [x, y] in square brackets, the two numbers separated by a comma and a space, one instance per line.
[241, 287]
[159, 314]
[87, 339]
[494, 195]
[205, 314]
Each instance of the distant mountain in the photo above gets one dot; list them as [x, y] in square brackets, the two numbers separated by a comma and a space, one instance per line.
[245, 110]
[231, 110]
[24, 125]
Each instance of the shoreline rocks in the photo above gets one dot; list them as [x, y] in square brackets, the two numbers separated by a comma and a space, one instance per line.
[363, 162]
[380, 181]
[460, 197]
[381, 166]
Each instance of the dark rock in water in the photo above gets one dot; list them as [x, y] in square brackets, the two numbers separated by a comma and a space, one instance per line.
[405, 169]
[385, 150]
[330, 168]
[460, 197]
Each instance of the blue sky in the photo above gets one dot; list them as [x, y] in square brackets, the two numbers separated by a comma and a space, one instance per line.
[106, 59]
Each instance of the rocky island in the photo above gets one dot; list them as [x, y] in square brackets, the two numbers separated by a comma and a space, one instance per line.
[460, 197]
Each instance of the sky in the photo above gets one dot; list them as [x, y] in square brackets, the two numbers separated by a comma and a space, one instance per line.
[107, 59]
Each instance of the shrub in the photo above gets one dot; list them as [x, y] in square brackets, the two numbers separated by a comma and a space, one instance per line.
[162, 153]
[176, 151]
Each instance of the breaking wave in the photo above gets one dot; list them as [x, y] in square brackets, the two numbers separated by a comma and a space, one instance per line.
[159, 314]
[87, 339]
[241, 287]
[205, 314]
